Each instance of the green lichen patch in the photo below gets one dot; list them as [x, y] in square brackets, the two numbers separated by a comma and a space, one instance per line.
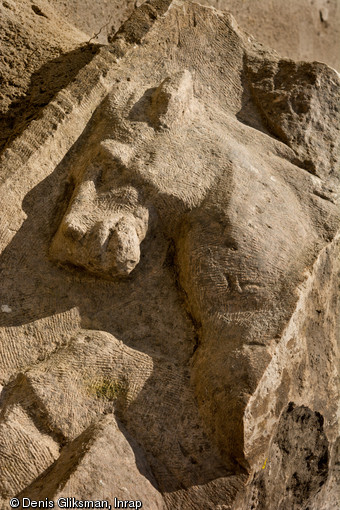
[108, 389]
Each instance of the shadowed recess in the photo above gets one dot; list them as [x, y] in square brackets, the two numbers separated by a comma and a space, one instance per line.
[45, 83]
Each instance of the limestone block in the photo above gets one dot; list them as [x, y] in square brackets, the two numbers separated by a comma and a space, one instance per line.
[170, 241]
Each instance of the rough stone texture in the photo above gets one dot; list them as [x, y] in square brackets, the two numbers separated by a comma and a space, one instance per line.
[40, 54]
[303, 456]
[98, 465]
[297, 463]
[36, 37]
[301, 30]
[170, 259]
[100, 17]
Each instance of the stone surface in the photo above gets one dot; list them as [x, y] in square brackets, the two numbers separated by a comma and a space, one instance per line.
[98, 465]
[40, 54]
[301, 30]
[170, 258]
[100, 17]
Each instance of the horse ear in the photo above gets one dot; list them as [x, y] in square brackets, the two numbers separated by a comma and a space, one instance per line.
[171, 102]
[120, 152]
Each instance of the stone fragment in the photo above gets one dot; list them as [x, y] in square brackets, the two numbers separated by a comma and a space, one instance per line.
[99, 465]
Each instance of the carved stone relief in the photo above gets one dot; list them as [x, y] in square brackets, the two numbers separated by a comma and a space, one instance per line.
[162, 268]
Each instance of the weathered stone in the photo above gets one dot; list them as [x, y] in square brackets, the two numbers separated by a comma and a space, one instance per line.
[175, 211]
[97, 466]
[40, 54]
[303, 30]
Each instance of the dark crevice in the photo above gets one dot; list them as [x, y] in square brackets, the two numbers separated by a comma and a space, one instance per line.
[38, 11]
[250, 114]
[323, 196]
[172, 264]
